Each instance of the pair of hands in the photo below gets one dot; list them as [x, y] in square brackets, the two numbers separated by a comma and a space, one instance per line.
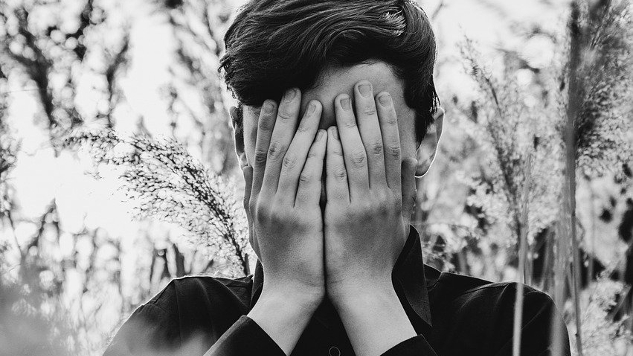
[351, 245]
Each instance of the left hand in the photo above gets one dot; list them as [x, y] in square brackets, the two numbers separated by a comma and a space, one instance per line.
[370, 196]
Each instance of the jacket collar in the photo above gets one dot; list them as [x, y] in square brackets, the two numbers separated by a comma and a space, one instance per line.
[408, 277]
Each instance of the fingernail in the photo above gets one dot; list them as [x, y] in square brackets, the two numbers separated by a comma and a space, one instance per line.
[311, 108]
[384, 99]
[346, 103]
[290, 94]
[365, 90]
[268, 107]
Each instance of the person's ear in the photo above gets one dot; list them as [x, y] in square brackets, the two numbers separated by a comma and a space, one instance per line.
[428, 147]
[238, 135]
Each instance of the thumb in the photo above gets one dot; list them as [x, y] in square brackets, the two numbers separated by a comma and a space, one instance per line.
[409, 189]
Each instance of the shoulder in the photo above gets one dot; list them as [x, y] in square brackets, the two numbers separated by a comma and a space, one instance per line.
[481, 314]
[182, 311]
[456, 287]
[202, 302]
[195, 290]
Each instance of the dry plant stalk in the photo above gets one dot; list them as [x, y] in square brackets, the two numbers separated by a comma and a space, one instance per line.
[569, 192]
[523, 251]
[168, 184]
[589, 118]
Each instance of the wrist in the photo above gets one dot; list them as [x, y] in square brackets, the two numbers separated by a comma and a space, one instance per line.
[301, 299]
[350, 293]
[361, 299]
[375, 320]
[283, 316]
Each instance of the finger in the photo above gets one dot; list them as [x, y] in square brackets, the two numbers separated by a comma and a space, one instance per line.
[391, 140]
[369, 129]
[309, 190]
[285, 125]
[265, 127]
[353, 149]
[336, 185]
[409, 189]
[295, 158]
[248, 183]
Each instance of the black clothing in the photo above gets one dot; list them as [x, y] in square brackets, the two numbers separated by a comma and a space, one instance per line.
[452, 315]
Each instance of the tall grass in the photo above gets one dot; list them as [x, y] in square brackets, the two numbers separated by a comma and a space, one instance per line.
[587, 115]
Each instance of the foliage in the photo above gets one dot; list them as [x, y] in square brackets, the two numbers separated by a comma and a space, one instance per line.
[582, 107]
[605, 89]
[497, 182]
[513, 125]
[168, 184]
[601, 336]
[8, 151]
[56, 57]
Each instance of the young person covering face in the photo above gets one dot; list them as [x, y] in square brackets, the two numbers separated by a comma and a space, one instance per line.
[336, 101]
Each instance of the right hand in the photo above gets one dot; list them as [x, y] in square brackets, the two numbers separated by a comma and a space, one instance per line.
[282, 196]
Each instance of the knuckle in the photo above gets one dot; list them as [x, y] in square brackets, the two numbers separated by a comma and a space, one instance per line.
[305, 177]
[337, 152]
[276, 214]
[275, 217]
[376, 148]
[340, 174]
[383, 209]
[369, 111]
[349, 123]
[261, 157]
[358, 158]
[260, 211]
[276, 150]
[390, 120]
[289, 162]
[386, 201]
[381, 197]
[303, 127]
[266, 123]
[393, 151]
[313, 153]
[285, 114]
[360, 211]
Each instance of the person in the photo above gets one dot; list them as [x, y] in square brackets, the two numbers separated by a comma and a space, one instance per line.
[337, 115]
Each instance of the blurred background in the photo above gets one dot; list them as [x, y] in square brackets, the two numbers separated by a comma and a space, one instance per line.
[100, 208]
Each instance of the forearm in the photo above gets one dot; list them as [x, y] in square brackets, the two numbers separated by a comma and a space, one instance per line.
[375, 321]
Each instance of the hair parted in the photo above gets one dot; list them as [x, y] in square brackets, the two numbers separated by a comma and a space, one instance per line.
[274, 45]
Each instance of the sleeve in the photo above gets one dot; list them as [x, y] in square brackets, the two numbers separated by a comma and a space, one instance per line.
[149, 329]
[414, 346]
[149, 332]
[543, 332]
[245, 337]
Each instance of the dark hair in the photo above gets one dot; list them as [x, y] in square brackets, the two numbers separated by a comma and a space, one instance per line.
[274, 45]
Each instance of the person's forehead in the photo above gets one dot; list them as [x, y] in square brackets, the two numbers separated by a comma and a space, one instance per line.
[338, 80]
